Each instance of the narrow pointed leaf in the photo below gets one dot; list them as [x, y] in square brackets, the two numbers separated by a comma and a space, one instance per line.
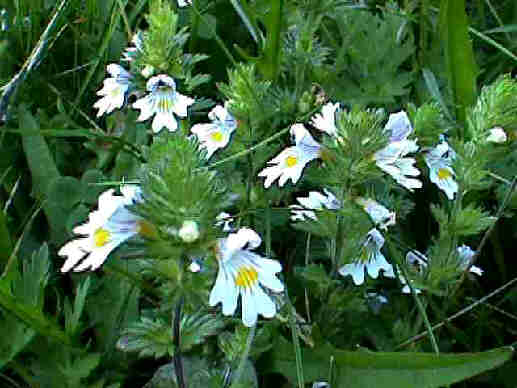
[362, 369]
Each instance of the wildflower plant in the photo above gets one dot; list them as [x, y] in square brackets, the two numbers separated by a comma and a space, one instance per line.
[328, 192]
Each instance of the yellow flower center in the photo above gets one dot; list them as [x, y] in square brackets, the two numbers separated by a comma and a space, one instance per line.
[291, 161]
[164, 105]
[101, 237]
[217, 136]
[443, 173]
[246, 277]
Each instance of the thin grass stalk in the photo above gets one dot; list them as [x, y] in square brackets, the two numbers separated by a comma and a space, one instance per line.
[178, 363]
[296, 342]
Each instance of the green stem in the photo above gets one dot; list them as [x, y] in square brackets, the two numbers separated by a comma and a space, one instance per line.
[296, 342]
[244, 358]
[423, 313]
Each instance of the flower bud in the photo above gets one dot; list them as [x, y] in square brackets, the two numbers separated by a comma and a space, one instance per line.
[497, 135]
[189, 231]
[147, 71]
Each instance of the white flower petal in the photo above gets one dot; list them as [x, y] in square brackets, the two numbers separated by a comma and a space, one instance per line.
[356, 270]
[249, 309]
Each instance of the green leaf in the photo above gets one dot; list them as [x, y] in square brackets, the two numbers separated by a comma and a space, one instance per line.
[41, 164]
[363, 369]
[459, 55]
[197, 371]
[148, 337]
[196, 327]
[43, 171]
[65, 192]
[6, 245]
[268, 61]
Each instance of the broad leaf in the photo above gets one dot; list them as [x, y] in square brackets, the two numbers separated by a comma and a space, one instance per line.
[362, 369]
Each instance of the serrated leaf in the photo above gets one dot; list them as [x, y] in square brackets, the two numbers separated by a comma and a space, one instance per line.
[196, 327]
[196, 371]
[363, 369]
[148, 337]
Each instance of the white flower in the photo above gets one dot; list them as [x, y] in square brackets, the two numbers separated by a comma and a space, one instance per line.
[320, 384]
[391, 159]
[371, 260]
[147, 71]
[439, 161]
[465, 256]
[242, 272]
[106, 229]
[164, 101]
[398, 126]
[217, 134]
[189, 231]
[289, 164]
[326, 120]
[114, 90]
[375, 301]
[497, 135]
[131, 52]
[381, 217]
[225, 220]
[184, 3]
[195, 265]
[315, 201]
[415, 260]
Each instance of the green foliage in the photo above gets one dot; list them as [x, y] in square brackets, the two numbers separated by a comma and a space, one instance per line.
[370, 57]
[370, 54]
[459, 55]
[495, 107]
[393, 369]
[177, 189]
[162, 47]
[148, 337]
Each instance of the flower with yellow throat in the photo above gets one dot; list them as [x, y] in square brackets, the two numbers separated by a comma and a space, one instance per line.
[107, 228]
[289, 163]
[243, 272]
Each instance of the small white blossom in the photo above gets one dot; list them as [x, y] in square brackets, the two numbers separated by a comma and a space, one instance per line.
[184, 3]
[114, 90]
[189, 231]
[164, 101]
[381, 217]
[465, 256]
[326, 120]
[415, 260]
[371, 260]
[147, 71]
[289, 164]
[225, 220]
[439, 160]
[375, 301]
[391, 159]
[399, 126]
[107, 228]
[217, 134]
[315, 201]
[195, 266]
[243, 272]
[497, 135]
[320, 384]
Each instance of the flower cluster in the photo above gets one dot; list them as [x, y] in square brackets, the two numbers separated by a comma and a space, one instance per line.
[241, 271]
